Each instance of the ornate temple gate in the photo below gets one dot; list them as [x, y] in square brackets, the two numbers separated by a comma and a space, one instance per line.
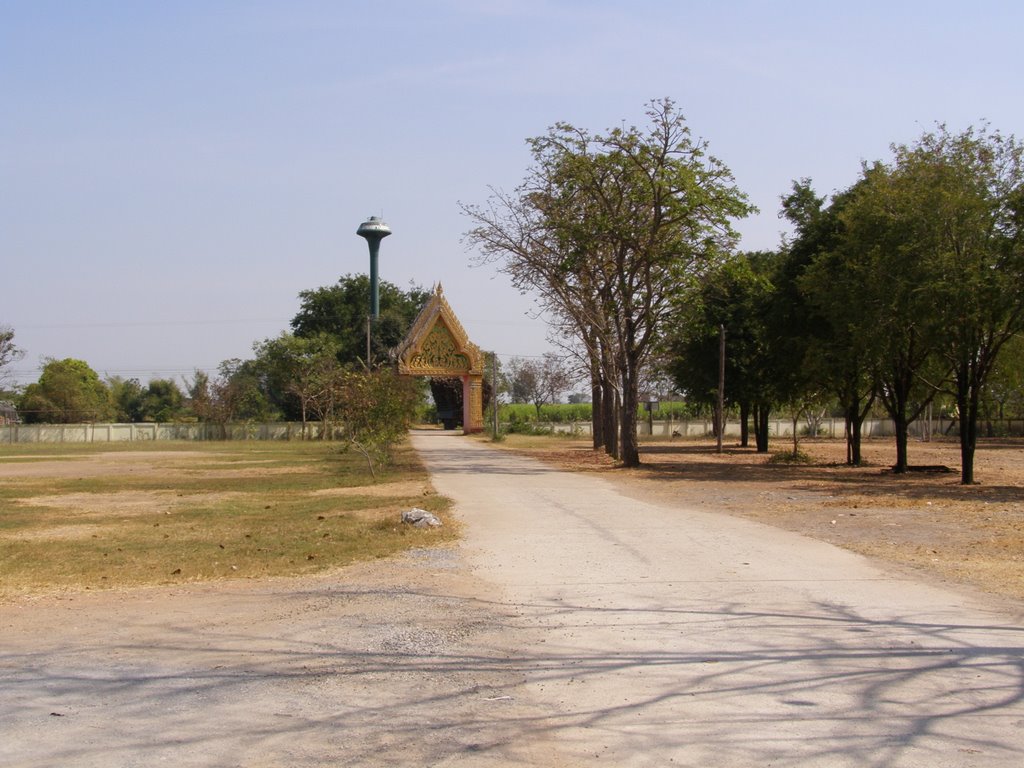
[437, 345]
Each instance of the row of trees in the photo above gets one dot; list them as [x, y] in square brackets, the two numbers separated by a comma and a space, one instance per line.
[70, 391]
[908, 284]
[904, 287]
[315, 372]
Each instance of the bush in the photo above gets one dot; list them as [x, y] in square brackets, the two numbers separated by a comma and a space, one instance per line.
[376, 409]
[527, 428]
[788, 457]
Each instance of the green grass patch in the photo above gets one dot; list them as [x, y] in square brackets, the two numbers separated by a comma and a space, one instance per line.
[159, 513]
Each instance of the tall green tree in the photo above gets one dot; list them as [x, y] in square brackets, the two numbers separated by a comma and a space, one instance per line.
[793, 328]
[881, 222]
[607, 229]
[736, 296]
[965, 192]
[163, 401]
[341, 311]
[68, 391]
[245, 388]
[839, 322]
[299, 374]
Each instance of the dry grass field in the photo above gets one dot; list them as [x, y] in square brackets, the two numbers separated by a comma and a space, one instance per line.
[81, 517]
[972, 536]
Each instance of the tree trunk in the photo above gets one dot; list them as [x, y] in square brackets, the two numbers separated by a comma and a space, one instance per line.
[847, 433]
[854, 421]
[899, 420]
[896, 397]
[857, 428]
[630, 453]
[761, 411]
[609, 401]
[967, 397]
[744, 425]
[896, 406]
[854, 425]
[609, 415]
[596, 413]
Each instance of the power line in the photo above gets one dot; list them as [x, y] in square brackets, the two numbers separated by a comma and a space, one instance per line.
[153, 323]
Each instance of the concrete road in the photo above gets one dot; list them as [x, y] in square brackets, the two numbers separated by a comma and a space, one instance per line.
[650, 635]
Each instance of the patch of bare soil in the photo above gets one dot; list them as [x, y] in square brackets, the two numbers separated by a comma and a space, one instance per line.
[95, 465]
[968, 535]
[122, 503]
[411, 488]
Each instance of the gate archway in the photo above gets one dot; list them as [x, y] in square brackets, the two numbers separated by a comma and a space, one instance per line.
[437, 346]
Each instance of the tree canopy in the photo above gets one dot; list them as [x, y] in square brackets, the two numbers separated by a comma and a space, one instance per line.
[538, 381]
[960, 197]
[735, 297]
[159, 401]
[606, 229]
[68, 391]
[907, 284]
[340, 311]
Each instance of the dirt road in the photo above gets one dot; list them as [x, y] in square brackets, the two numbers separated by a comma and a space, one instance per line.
[674, 636]
[573, 626]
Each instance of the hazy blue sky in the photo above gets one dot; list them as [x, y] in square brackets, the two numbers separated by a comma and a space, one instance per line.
[172, 174]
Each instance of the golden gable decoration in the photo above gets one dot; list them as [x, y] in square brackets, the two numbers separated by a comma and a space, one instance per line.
[438, 345]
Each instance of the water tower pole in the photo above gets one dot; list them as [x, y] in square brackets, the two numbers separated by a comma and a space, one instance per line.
[374, 230]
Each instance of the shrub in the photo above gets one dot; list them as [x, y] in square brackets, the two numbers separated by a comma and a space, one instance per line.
[789, 457]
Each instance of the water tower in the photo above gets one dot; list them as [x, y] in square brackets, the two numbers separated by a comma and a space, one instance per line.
[374, 230]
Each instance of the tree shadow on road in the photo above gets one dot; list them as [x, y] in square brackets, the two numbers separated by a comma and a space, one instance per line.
[494, 684]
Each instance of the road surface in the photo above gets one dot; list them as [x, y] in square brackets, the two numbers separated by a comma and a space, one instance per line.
[668, 636]
[572, 626]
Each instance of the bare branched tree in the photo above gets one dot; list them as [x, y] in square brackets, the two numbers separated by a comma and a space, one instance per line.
[604, 231]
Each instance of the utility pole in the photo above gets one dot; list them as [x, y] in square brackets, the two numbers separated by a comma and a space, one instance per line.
[494, 391]
[721, 384]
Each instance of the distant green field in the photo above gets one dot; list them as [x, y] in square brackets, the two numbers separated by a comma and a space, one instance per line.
[566, 414]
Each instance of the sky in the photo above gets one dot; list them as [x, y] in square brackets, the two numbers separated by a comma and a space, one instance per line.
[173, 174]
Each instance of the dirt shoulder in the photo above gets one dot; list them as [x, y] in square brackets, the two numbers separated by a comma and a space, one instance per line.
[972, 536]
[393, 662]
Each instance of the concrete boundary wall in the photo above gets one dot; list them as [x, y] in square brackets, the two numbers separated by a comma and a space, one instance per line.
[830, 427]
[12, 434]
